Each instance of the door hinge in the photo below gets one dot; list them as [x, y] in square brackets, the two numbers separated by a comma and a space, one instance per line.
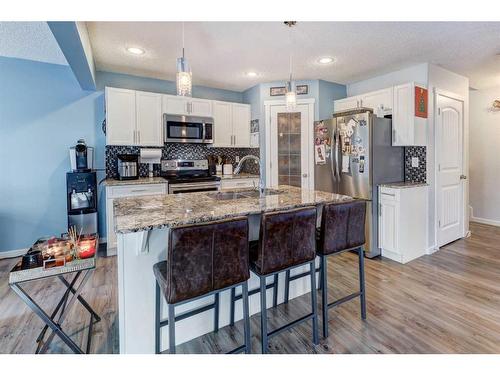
[439, 111]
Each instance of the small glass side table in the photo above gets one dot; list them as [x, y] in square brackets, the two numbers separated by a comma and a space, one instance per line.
[80, 270]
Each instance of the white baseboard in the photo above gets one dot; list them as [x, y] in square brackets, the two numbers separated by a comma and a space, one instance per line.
[12, 253]
[431, 250]
[480, 220]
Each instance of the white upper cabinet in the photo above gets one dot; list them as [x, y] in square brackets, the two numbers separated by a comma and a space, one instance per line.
[351, 102]
[175, 105]
[407, 129]
[120, 116]
[180, 105]
[241, 125]
[133, 118]
[232, 124]
[201, 107]
[223, 126]
[380, 100]
[149, 118]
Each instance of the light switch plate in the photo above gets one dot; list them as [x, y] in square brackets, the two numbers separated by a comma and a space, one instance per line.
[414, 162]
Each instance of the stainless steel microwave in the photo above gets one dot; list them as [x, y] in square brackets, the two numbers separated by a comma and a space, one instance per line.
[188, 129]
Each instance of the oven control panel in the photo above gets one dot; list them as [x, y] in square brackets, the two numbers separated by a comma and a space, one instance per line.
[183, 165]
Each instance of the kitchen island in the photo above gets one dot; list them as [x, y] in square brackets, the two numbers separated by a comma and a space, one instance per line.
[142, 225]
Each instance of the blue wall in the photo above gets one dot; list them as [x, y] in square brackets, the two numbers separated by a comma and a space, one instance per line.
[43, 111]
[126, 81]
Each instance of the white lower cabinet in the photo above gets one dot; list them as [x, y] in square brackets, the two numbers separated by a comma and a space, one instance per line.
[402, 224]
[239, 183]
[122, 191]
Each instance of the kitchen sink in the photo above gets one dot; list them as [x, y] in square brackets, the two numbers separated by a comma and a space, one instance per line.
[226, 196]
[231, 195]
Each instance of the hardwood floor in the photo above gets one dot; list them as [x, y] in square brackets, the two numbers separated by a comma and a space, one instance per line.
[448, 302]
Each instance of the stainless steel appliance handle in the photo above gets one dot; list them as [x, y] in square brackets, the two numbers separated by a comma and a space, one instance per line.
[333, 155]
[164, 127]
[203, 131]
[338, 155]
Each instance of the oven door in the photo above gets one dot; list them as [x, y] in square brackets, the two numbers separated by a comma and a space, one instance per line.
[185, 129]
[193, 187]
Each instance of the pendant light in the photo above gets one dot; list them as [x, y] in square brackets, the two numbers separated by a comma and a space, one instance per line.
[184, 78]
[290, 95]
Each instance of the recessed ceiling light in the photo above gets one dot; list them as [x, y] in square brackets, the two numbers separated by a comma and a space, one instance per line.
[251, 74]
[326, 60]
[135, 50]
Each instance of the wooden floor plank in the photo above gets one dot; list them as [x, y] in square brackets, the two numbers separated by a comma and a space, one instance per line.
[447, 302]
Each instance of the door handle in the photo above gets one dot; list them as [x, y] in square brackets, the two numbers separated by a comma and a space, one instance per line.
[463, 177]
[304, 174]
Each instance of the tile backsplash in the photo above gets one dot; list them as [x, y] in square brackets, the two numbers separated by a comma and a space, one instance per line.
[180, 151]
[416, 174]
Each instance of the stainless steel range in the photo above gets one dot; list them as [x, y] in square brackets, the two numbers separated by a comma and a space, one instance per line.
[188, 176]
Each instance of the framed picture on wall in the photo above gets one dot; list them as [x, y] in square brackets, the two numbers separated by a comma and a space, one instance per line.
[277, 91]
[302, 89]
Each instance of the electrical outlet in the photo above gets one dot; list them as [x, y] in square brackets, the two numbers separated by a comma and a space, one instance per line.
[237, 158]
[414, 162]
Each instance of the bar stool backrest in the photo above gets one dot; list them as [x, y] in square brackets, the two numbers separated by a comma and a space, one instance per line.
[286, 239]
[342, 226]
[206, 257]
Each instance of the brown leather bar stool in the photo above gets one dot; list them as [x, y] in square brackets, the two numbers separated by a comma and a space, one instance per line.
[286, 241]
[203, 260]
[342, 229]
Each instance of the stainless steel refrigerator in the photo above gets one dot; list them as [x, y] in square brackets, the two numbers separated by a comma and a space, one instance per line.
[353, 155]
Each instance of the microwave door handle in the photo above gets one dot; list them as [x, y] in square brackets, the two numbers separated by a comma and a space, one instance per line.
[203, 132]
[164, 130]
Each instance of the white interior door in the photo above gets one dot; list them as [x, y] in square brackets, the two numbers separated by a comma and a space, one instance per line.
[291, 146]
[449, 146]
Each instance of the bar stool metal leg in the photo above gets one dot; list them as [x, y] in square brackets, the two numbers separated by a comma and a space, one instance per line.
[216, 312]
[314, 303]
[263, 315]
[233, 302]
[362, 282]
[324, 295]
[275, 291]
[171, 328]
[287, 286]
[246, 317]
[157, 320]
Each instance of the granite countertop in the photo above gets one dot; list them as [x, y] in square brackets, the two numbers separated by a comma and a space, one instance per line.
[134, 214]
[237, 176]
[139, 181]
[404, 185]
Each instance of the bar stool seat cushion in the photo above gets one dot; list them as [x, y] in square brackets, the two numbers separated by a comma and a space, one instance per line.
[343, 227]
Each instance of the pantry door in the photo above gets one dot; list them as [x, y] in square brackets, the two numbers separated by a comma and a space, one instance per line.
[450, 176]
[289, 156]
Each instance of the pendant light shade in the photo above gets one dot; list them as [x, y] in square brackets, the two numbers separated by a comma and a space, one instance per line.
[290, 95]
[184, 77]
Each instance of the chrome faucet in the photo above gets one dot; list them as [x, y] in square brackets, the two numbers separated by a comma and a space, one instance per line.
[261, 172]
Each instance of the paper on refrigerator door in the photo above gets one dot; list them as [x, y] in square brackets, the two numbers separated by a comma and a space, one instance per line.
[345, 163]
[319, 155]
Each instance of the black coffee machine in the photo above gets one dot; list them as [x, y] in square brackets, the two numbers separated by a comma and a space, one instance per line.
[81, 190]
[81, 157]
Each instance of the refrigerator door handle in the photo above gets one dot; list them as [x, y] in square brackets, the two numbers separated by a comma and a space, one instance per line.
[338, 155]
[333, 157]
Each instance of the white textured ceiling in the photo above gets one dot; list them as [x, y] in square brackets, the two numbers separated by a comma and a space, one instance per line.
[30, 41]
[220, 52]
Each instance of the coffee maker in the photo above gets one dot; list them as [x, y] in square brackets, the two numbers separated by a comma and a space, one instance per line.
[81, 190]
[81, 157]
